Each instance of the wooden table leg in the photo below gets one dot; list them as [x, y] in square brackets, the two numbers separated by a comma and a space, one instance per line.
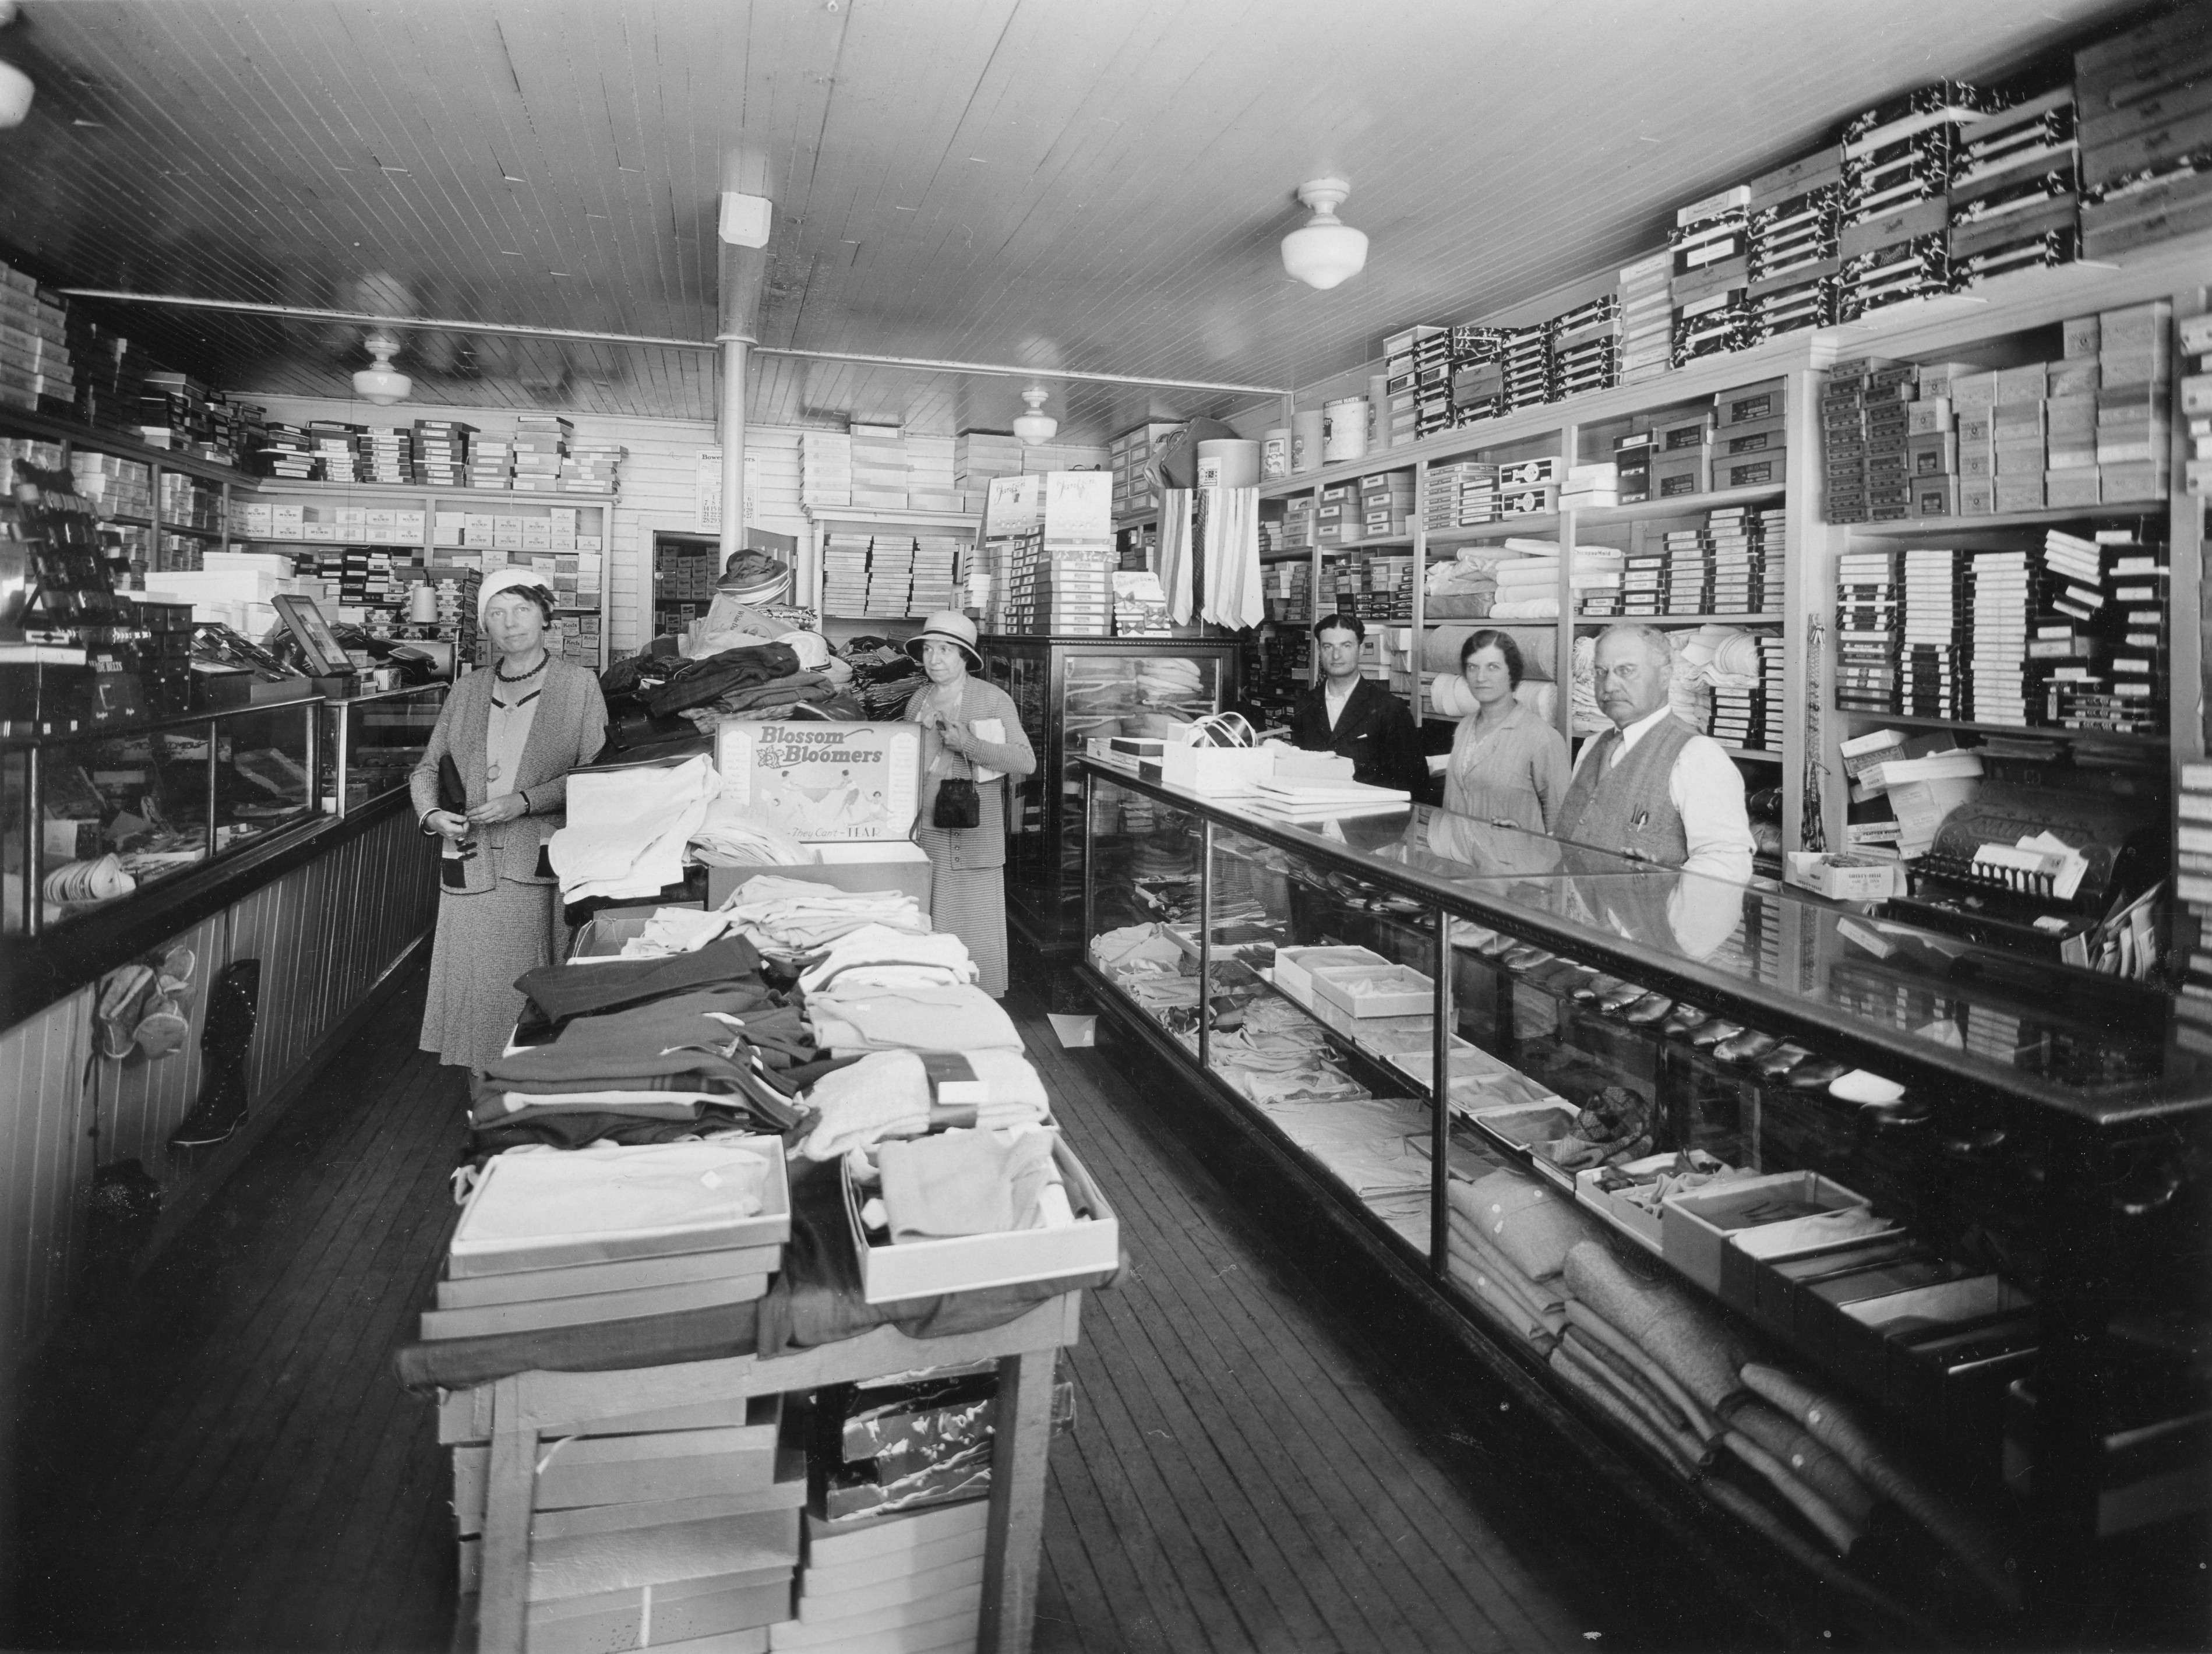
[1021, 1442]
[503, 1602]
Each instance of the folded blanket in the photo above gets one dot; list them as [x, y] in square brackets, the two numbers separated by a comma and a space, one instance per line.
[1678, 1331]
[917, 1019]
[560, 991]
[884, 1093]
[1510, 1312]
[1810, 1462]
[1678, 1444]
[1830, 1523]
[1543, 1301]
[683, 1032]
[1532, 1225]
[1625, 1350]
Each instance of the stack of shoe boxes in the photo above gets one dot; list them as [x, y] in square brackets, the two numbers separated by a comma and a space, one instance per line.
[825, 468]
[978, 456]
[1586, 346]
[2015, 190]
[34, 360]
[1386, 504]
[541, 442]
[1530, 379]
[2196, 342]
[1868, 636]
[1898, 160]
[2145, 104]
[1750, 438]
[932, 472]
[1793, 264]
[1417, 389]
[1647, 317]
[878, 468]
[1710, 274]
[1478, 374]
[2135, 434]
[1863, 393]
[1681, 454]
[1133, 457]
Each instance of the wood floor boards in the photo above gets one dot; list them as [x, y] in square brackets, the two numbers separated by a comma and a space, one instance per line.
[1268, 1454]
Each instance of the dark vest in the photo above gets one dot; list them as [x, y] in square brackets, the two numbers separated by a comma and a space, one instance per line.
[1630, 805]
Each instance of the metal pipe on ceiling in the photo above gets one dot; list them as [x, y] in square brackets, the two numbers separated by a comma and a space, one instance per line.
[586, 335]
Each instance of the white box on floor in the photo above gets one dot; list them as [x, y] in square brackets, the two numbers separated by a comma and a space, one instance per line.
[963, 1263]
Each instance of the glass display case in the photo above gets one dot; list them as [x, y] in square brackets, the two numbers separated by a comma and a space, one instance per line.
[1997, 1167]
[88, 819]
[371, 743]
[1068, 691]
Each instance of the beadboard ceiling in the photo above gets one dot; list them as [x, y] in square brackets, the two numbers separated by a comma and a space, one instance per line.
[1087, 184]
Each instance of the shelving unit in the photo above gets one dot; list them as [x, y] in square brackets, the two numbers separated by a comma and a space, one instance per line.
[823, 520]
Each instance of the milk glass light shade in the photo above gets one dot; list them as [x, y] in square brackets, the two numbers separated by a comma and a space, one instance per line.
[1037, 425]
[381, 383]
[1325, 252]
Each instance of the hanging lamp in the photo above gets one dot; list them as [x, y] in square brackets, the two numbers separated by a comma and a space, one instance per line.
[1324, 252]
[1037, 425]
[381, 382]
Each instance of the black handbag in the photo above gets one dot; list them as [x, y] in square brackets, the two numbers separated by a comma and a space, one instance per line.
[958, 803]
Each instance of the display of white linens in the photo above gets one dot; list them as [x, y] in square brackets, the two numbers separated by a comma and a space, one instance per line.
[1530, 609]
[934, 1019]
[792, 916]
[729, 838]
[1366, 1143]
[884, 956]
[530, 1198]
[626, 828]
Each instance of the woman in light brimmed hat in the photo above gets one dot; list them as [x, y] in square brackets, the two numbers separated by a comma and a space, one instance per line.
[514, 732]
[970, 727]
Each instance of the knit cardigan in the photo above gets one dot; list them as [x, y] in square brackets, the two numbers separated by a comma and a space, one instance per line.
[569, 729]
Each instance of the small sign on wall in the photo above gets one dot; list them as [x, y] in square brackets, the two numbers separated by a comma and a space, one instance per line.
[706, 490]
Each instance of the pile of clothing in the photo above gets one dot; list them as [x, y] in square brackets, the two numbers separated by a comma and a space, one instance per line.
[785, 918]
[1461, 587]
[1671, 1369]
[885, 676]
[628, 826]
[742, 662]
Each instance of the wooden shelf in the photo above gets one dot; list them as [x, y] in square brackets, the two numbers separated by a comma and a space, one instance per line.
[186, 528]
[1681, 505]
[1535, 522]
[47, 428]
[2157, 507]
[1751, 753]
[1682, 620]
[886, 517]
[418, 491]
[2038, 731]
[126, 519]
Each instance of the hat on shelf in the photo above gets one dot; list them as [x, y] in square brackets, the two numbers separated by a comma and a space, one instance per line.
[511, 579]
[948, 626]
[755, 577]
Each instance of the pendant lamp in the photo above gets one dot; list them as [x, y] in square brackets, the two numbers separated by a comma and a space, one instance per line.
[1324, 252]
[381, 382]
[1037, 425]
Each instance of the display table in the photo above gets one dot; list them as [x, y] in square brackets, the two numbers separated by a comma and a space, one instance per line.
[527, 1406]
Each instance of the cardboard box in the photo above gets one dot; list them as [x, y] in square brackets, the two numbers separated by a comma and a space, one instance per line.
[1774, 1292]
[1674, 474]
[878, 865]
[1294, 967]
[967, 1262]
[1613, 1205]
[1695, 1228]
[1846, 878]
[1399, 990]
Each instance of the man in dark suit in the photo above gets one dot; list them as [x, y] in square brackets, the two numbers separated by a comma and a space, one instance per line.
[1356, 718]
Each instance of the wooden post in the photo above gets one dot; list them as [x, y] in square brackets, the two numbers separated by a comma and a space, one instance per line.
[1021, 1445]
[503, 1605]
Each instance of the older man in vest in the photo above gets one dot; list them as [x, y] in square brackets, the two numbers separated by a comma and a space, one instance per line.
[1651, 786]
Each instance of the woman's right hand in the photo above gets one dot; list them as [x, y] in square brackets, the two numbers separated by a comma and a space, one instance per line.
[447, 824]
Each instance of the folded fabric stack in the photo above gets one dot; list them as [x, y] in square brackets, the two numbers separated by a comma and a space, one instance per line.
[883, 678]
[1510, 1240]
[1461, 587]
[1527, 584]
[962, 1017]
[626, 828]
[891, 1094]
[978, 1180]
[702, 682]
[884, 956]
[782, 697]
[731, 838]
[1589, 718]
[787, 918]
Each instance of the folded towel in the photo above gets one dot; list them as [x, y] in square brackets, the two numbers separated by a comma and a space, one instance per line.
[884, 1092]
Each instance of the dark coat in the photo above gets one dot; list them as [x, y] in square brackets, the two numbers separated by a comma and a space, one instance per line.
[1377, 733]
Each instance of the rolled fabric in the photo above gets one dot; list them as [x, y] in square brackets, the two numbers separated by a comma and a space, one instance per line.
[1688, 1452]
[1539, 647]
[1807, 1504]
[1659, 1405]
[1681, 1334]
[1834, 1426]
[1572, 1374]
[1583, 1318]
[1810, 1462]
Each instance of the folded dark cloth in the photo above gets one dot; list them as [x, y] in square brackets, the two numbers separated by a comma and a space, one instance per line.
[782, 691]
[559, 992]
[815, 1299]
[482, 1087]
[704, 681]
[671, 1036]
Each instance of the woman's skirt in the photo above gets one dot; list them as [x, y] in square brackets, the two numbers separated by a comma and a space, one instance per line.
[484, 942]
[971, 903]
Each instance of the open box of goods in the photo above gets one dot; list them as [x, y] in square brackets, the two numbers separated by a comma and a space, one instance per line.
[1852, 1325]
[2155, 1456]
[912, 1443]
[1696, 1226]
[1389, 990]
[1628, 1196]
[606, 933]
[951, 1212]
[1295, 967]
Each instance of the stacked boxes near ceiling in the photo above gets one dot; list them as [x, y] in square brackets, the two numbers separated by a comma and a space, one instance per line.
[2015, 189]
[1417, 383]
[2146, 134]
[825, 468]
[1586, 346]
[1794, 262]
[441, 452]
[1050, 543]
[1478, 374]
[1898, 161]
[1647, 317]
[34, 359]
[878, 468]
[541, 441]
[930, 474]
[1710, 276]
[980, 456]
[2196, 340]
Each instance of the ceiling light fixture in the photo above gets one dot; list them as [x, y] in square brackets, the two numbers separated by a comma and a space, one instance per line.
[1324, 252]
[381, 382]
[1037, 425]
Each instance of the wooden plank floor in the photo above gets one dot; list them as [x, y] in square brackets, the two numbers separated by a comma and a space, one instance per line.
[1267, 1455]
